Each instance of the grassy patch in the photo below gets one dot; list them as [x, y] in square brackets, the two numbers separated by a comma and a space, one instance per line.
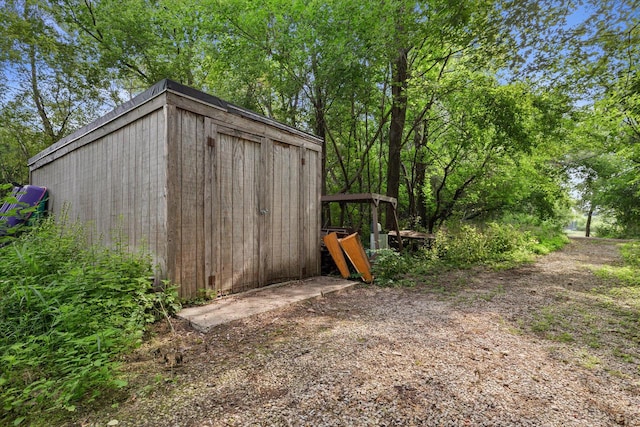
[605, 318]
[588, 360]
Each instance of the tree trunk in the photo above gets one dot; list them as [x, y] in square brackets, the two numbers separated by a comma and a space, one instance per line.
[421, 175]
[399, 77]
[587, 231]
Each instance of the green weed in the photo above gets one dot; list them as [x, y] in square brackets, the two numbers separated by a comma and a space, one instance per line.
[500, 246]
[67, 310]
[587, 360]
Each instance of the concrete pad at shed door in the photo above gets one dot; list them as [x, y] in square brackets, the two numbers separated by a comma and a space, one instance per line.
[265, 299]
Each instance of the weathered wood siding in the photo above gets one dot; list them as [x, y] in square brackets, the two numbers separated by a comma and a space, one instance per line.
[115, 183]
[224, 199]
[243, 206]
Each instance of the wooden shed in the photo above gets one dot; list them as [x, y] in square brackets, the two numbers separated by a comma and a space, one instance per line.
[225, 200]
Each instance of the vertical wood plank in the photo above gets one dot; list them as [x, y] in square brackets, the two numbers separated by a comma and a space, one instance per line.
[138, 183]
[77, 186]
[116, 184]
[82, 205]
[265, 187]
[225, 245]
[77, 204]
[154, 190]
[99, 196]
[188, 189]
[276, 230]
[174, 211]
[304, 214]
[208, 165]
[309, 206]
[162, 203]
[296, 215]
[106, 196]
[216, 211]
[285, 214]
[146, 190]
[256, 213]
[237, 236]
[249, 213]
[130, 187]
[316, 213]
[201, 280]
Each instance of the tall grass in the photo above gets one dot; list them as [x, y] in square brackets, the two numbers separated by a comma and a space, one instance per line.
[67, 311]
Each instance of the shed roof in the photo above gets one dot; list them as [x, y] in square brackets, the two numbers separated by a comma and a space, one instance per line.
[157, 89]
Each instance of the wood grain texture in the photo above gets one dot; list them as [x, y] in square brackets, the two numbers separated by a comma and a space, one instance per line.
[226, 213]
[188, 188]
[237, 237]
[209, 201]
[161, 203]
[174, 203]
[201, 142]
[275, 266]
[243, 210]
[265, 190]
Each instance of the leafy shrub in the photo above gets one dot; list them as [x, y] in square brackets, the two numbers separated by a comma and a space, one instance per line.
[67, 310]
[464, 246]
[500, 245]
[548, 237]
[503, 239]
[389, 265]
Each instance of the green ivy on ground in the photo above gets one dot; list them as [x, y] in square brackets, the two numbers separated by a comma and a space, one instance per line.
[67, 311]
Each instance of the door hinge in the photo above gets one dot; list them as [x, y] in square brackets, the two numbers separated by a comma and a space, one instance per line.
[211, 141]
[303, 161]
[212, 282]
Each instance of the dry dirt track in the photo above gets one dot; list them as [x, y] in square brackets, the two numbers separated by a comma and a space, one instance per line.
[457, 352]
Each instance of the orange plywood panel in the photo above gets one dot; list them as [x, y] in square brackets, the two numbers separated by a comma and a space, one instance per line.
[352, 246]
[332, 243]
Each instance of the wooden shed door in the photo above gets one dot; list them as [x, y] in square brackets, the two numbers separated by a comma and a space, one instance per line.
[232, 212]
[255, 204]
[284, 226]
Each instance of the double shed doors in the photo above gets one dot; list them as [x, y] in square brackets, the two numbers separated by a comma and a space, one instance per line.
[254, 210]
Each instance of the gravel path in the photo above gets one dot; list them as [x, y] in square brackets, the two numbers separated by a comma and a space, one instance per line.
[456, 352]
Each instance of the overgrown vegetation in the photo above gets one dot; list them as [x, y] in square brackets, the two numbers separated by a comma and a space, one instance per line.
[67, 311]
[460, 110]
[497, 245]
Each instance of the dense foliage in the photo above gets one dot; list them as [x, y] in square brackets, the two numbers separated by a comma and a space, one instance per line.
[461, 110]
[67, 310]
[496, 245]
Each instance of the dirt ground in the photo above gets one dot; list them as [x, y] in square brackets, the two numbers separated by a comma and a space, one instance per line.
[457, 351]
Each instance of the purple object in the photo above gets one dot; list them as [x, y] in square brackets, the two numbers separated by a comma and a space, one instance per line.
[27, 196]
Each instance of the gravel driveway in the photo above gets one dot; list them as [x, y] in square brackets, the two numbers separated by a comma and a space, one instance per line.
[458, 351]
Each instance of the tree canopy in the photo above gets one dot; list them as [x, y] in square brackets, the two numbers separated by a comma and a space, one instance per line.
[462, 110]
